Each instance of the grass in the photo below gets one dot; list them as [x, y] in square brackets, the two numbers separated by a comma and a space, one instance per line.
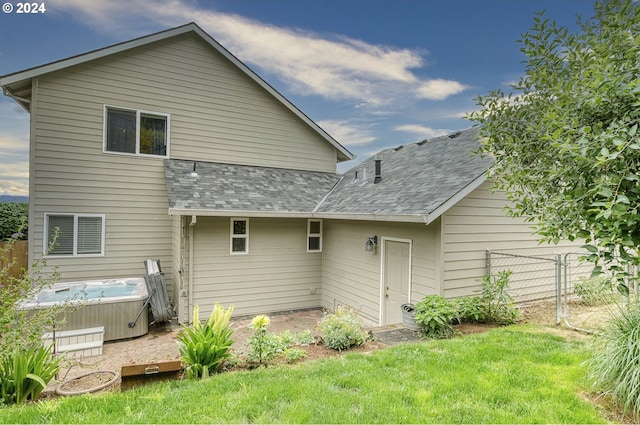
[508, 375]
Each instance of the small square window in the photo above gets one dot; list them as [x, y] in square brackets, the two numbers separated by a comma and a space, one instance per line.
[314, 235]
[239, 236]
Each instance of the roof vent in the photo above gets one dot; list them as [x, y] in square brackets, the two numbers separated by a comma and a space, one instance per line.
[422, 142]
[378, 167]
[397, 148]
[194, 173]
[454, 135]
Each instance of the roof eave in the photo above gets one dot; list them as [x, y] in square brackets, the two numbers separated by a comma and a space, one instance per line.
[17, 77]
[237, 213]
[404, 218]
[465, 191]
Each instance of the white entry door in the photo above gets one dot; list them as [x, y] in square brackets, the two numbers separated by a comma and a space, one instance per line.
[396, 279]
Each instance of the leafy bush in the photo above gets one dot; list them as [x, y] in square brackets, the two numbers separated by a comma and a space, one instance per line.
[205, 346]
[304, 337]
[342, 329]
[614, 367]
[472, 309]
[594, 291]
[14, 291]
[434, 313]
[494, 305]
[13, 215]
[266, 347]
[25, 373]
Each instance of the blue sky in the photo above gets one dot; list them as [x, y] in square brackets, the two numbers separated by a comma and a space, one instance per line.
[374, 73]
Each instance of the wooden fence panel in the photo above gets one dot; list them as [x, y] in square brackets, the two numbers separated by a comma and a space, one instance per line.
[20, 254]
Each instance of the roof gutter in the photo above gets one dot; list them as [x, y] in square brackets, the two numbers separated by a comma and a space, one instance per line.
[404, 218]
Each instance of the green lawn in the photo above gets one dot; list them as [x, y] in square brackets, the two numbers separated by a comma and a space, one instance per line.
[517, 374]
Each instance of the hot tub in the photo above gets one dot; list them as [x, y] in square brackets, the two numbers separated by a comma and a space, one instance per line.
[112, 303]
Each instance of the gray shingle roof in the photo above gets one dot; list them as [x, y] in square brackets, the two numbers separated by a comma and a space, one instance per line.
[242, 188]
[416, 178]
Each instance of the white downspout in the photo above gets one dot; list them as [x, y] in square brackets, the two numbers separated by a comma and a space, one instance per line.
[191, 225]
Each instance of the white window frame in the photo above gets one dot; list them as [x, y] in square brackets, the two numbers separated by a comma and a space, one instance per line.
[233, 236]
[75, 216]
[138, 112]
[315, 235]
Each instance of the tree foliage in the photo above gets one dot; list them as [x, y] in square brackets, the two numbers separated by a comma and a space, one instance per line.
[12, 216]
[566, 141]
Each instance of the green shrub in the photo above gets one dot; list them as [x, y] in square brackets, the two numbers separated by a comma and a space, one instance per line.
[494, 305]
[614, 367]
[205, 346]
[500, 306]
[14, 291]
[304, 337]
[293, 354]
[13, 215]
[434, 313]
[472, 309]
[593, 291]
[25, 373]
[266, 347]
[342, 329]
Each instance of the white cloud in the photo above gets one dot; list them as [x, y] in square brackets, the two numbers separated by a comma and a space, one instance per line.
[14, 148]
[439, 89]
[14, 178]
[14, 187]
[423, 131]
[346, 133]
[337, 69]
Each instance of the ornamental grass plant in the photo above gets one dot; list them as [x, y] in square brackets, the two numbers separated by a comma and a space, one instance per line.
[615, 364]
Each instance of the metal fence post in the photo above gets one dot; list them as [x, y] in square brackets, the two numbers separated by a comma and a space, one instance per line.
[488, 260]
[559, 288]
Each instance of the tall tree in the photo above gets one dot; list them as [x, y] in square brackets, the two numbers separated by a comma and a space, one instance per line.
[566, 141]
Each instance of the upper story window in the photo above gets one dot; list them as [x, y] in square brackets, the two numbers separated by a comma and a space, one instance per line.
[78, 234]
[239, 236]
[136, 132]
[314, 235]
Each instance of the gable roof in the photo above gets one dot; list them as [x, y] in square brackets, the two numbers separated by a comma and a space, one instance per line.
[18, 85]
[217, 189]
[419, 181]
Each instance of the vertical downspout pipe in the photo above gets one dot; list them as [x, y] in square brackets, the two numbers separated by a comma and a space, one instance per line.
[191, 225]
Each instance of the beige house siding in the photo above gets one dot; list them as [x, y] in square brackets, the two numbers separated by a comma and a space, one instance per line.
[479, 223]
[70, 174]
[351, 276]
[178, 265]
[277, 274]
[216, 112]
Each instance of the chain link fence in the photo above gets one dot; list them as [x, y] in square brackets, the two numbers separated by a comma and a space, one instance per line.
[556, 287]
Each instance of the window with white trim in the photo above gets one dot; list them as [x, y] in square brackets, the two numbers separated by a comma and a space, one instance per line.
[314, 235]
[77, 234]
[239, 236]
[136, 132]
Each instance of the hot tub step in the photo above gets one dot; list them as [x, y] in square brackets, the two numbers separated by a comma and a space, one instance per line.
[85, 342]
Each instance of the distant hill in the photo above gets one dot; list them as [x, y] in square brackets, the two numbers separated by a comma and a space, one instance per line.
[12, 198]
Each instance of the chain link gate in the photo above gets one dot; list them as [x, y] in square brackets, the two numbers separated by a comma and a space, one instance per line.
[557, 284]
